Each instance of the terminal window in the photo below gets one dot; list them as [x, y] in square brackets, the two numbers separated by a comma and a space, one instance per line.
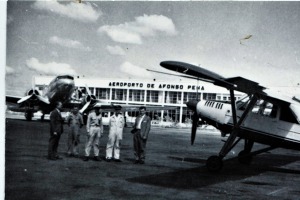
[187, 96]
[119, 94]
[136, 95]
[209, 96]
[187, 115]
[102, 93]
[173, 97]
[152, 96]
[91, 90]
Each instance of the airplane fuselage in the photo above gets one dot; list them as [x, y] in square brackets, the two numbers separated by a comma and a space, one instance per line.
[258, 127]
[60, 89]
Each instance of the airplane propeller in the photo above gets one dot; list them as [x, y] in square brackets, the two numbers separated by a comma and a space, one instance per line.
[88, 90]
[193, 106]
[84, 107]
[89, 99]
[33, 94]
[24, 99]
[43, 99]
[194, 127]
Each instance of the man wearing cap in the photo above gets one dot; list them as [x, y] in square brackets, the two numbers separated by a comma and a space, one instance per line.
[94, 127]
[140, 132]
[116, 125]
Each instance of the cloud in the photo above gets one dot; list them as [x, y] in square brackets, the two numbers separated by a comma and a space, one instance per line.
[68, 43]
[121, 34]
[143, 26]
[134, 70]
[51, 68]
[116, 50]
[9, 70]
[54, 54]
[79, 11]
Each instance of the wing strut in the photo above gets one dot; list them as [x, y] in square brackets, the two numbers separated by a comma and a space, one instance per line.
[236, 124]
[214, 163]
[233, 108]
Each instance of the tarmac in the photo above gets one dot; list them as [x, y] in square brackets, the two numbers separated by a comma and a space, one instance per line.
[173, 170]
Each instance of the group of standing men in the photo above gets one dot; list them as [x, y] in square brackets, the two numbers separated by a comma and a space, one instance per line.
[94, 129]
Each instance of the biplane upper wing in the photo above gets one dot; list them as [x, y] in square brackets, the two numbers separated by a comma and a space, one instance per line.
[235, 83]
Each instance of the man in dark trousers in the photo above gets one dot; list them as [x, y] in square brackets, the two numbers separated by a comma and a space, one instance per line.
[56, 129]
[140, 132]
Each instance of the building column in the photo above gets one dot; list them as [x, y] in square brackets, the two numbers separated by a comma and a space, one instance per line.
[127, 97]
[110, 94]
[181, 110]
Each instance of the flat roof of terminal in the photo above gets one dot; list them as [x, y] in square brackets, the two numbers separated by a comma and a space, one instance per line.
[142, 84]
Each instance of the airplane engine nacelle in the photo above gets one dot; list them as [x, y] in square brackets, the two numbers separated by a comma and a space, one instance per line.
[30, 92]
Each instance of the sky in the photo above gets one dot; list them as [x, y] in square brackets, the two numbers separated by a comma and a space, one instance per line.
[107, 39]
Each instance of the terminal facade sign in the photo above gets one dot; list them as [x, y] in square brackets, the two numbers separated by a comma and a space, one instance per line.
[161, 86]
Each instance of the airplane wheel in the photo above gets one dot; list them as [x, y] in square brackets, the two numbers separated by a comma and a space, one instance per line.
[214, 163]
[244, 158]
[28, 116]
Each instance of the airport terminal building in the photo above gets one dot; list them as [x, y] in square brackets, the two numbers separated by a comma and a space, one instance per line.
[150, 92]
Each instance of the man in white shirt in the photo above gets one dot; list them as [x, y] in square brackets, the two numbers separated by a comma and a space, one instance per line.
[140, 132]
[116, 125]
[94, 127]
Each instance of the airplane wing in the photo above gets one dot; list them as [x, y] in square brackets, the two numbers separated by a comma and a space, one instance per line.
[235, 83]
[22, 100]
[11, 104]
[20, 104]
[12, 99]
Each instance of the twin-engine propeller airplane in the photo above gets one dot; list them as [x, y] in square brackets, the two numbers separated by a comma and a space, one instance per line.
[62, 88]
[261, 116]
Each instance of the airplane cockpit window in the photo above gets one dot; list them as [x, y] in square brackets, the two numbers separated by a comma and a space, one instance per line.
[65, 77]
[242, 103]
[273, 113]
[264, 108]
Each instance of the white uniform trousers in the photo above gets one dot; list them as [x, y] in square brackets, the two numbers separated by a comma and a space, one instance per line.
[93, 141]
[113, 145]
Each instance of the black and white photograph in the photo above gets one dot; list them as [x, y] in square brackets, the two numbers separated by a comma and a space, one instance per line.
[150, 100]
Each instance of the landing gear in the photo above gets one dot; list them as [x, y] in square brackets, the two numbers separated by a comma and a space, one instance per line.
[84, 117]
[42, 117]
[28, 115]
[244, 157]
[214, 163]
